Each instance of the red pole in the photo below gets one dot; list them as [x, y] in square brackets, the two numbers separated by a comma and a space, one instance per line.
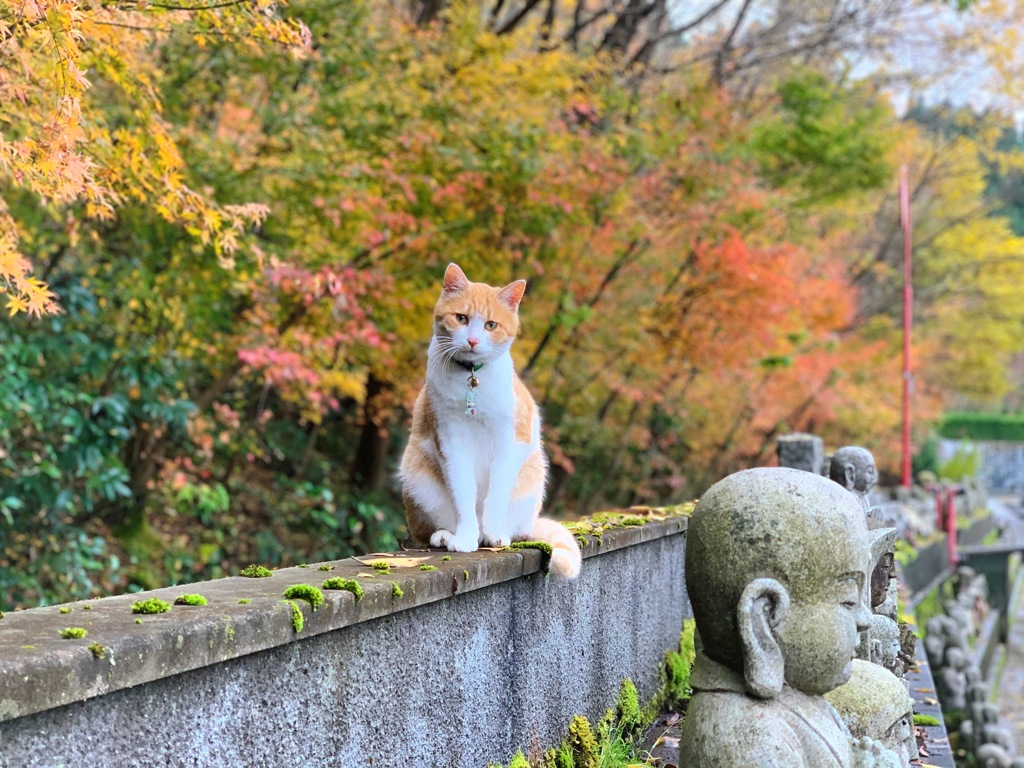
[951, 525]
[908, 301]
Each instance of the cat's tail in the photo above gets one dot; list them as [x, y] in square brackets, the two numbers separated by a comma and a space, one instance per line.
[566, 557]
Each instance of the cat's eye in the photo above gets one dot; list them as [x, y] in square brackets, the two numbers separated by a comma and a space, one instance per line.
[463, 320]
[490, 325]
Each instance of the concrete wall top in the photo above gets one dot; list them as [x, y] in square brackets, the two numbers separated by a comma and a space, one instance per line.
[40, 670]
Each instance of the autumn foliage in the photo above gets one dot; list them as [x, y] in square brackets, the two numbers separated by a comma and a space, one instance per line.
[222, 229]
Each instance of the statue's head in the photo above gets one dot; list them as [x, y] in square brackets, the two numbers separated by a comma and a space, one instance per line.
[875, 704]
[854, 469]
[777, 571]
[885, 643]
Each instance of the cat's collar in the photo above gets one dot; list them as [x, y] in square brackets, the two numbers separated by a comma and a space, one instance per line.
[468, 366]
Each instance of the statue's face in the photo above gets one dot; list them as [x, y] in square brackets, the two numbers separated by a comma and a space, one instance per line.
[818, 636]
[884, 572]
[867, 476]
[900, 738]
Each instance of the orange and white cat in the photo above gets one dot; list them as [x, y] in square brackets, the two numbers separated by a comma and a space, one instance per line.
[473, 472]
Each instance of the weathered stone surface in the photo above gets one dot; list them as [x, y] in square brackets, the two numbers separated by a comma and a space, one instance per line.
[875, 704]
[777, 573]
[802, 451]
[475, 670]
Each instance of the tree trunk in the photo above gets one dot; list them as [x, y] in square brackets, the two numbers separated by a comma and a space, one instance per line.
[369, 469]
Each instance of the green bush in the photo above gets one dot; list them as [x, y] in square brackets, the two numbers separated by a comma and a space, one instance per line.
[983, 426]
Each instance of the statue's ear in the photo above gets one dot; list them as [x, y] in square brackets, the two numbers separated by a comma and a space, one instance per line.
[762, 608]
[850, 475]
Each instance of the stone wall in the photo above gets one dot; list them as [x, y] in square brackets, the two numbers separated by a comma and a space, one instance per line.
[474, 660]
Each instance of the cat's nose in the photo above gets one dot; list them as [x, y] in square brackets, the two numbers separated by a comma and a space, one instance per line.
[472, 342]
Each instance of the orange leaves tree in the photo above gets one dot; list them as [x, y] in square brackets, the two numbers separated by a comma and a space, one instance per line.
[246, 218]
[81, 132]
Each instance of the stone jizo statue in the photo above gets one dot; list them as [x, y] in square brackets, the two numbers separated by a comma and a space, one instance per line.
[777, 574]
[875, 704]
[853, 468]
[883, 557]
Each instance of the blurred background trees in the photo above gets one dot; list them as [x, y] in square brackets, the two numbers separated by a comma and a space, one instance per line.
[222, 230]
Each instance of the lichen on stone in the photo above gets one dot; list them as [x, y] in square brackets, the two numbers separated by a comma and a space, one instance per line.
[152, 605]
[255, 572]
[73, 633]
[99, 651]
[191, 599]
[306, 592]
[350, 585]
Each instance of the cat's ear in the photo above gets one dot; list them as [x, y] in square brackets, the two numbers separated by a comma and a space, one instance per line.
[455, 280]
[512, 294]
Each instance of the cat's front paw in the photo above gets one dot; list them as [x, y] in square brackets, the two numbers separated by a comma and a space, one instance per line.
[489, 540]
[453, 542]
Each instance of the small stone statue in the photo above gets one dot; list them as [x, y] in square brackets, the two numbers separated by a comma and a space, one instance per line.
[995, 756]
[876, 705]
[854, 469]
[883, 571]
[885, 644]
[951, 682]
[777, 573]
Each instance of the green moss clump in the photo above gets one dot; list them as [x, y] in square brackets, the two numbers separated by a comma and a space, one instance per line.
[297, 617]
[382, 566]
[926, 720]
[396, 591]
[326, 567]
[73, 633]
[627, 710]
[582, 743]
[244, 601]
[465, 575]
[306, 592]
[255, 572]
[138, 621]
[190, 600]
[302, 565]
[428, 567]
[446, 558]
[65, 609]
[543, 546]
[559, 758]
[152, 605]
[519, 761]
[350, 585]
[87, 607]
[99, 651]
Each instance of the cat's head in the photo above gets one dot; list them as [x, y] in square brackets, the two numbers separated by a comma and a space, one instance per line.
[478, 320]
